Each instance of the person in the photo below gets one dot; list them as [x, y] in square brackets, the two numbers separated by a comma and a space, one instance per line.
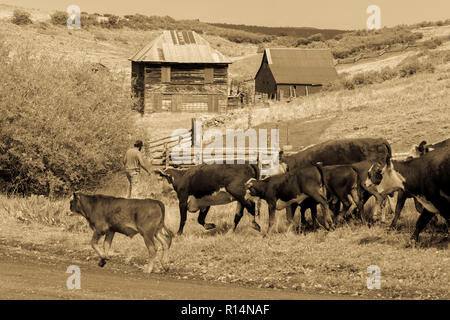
[133, 162]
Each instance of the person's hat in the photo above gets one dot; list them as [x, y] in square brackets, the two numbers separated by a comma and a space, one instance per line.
[138, 144]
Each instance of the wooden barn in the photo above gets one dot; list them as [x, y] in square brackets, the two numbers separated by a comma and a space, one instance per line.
[288, 73]
[180, 71]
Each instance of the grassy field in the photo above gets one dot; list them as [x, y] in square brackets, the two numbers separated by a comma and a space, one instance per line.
[331, 263]
[405, 111]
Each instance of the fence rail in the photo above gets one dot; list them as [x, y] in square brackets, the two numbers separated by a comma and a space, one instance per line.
[161, 151]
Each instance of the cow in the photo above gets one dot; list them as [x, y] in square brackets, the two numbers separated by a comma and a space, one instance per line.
[426, 178]
[282, 190]
[402, 195]
[107, 215]
[200, 187]
[341, 151]
[347, 184]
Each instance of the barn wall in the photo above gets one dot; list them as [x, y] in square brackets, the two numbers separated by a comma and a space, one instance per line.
[264, 80]
[186, 87]
[284, 90]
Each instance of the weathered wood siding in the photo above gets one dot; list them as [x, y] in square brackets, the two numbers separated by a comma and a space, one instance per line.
[182, 87]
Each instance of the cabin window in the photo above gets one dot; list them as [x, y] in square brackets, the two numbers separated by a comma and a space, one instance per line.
[165, 74]
[209, 75]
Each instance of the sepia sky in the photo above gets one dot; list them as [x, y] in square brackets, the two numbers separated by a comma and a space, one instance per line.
[343, 14]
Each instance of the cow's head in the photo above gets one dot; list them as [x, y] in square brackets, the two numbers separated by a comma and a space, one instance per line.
[172, 175]
[75, 204]
[253, 189]
[387, 179]
[419, 150]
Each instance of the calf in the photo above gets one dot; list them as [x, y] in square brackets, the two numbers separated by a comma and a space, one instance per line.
[203, 186]
[427, 179]
[108, 215]
[282, 190]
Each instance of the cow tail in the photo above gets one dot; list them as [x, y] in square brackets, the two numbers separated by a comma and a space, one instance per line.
[318, 165]
[256, 171]
[166, 233]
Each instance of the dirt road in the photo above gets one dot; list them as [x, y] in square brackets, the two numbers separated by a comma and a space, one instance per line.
[34, 277]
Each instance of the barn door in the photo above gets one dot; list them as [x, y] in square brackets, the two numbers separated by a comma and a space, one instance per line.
[213, 103]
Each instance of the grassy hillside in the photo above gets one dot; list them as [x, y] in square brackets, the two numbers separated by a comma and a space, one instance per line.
[282, 31]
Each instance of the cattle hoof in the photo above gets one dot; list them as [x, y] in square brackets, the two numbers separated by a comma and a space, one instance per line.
[179, 233]
[209, 226]
[102, 263]
[256, 226]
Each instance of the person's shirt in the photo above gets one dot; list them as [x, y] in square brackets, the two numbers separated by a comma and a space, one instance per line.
[133, 159]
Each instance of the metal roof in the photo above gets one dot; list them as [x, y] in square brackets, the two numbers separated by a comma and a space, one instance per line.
[300, 66]
[179, 47]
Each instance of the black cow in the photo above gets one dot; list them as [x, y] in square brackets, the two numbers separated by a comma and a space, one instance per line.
[203, 186]
[426, 178]
[346, 184]
[402, 195]
[341, 151]
[282, 190]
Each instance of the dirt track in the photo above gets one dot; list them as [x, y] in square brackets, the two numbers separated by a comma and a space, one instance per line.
[30, 277]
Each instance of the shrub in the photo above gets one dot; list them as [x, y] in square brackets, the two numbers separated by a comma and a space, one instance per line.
[21, 17]
[302, 42]
[316, 37]
[59, 18]
[388, 73]
[62, 126]
[432, 43]
[413, 65]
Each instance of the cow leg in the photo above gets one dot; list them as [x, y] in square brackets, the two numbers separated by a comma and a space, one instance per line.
[314, 217]
[326, 212]
[238, 192]
[401, 198]
[165, 239]
[183, 216]
[150, 244]
[290, 213]
[202, 217]
[107, 243]
[238, 215]
[94, 243]
[272, 208]
[422, 222]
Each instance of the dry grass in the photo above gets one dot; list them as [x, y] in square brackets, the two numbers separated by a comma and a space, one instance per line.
[318, 262]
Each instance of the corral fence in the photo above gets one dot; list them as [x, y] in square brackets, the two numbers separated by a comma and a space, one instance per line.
[161, 151]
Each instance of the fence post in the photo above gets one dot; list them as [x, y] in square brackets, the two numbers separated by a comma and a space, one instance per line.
[166, 155]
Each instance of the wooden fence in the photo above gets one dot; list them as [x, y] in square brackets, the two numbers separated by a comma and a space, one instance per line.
[161, 150]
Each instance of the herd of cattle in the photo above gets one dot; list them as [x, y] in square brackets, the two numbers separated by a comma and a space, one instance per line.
[340, 173]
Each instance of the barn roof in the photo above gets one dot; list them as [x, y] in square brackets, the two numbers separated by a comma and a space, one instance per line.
[300, 66]
[179, 47]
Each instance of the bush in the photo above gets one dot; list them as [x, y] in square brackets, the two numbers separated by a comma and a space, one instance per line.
[432, 43]
[21, 17]
[316, 37]
[412, 65]
[388, 73]
[59, 18]
[62, 126]
[302, 42]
